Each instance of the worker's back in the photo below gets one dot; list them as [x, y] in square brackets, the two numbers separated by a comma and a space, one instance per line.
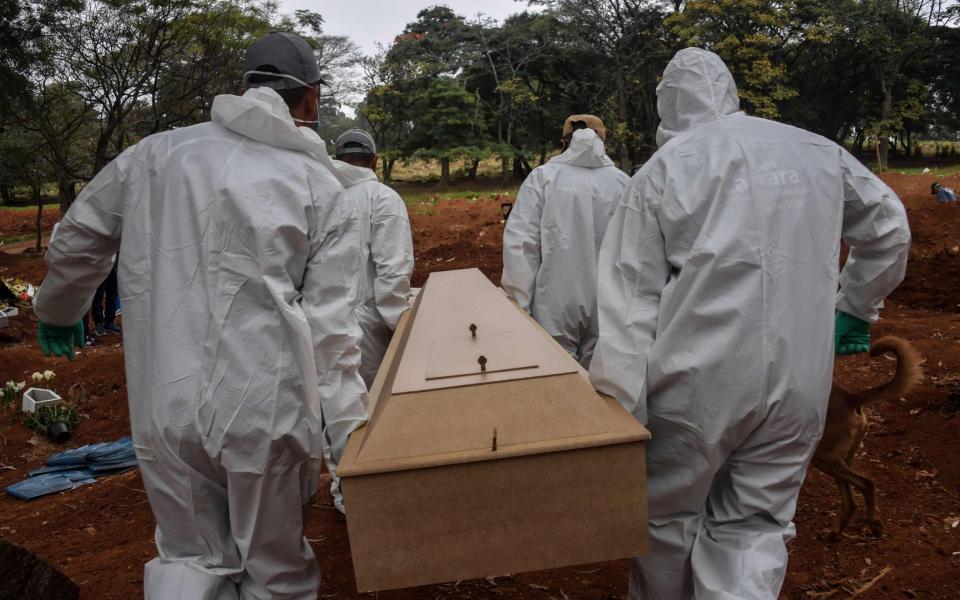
[751, 222]
[218, 228]
[386, 261]
[749, 214]
[717, 285]
[553, 237]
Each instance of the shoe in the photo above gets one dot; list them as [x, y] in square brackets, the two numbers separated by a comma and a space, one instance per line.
[90, 341]
[100, 330]
[113, 328]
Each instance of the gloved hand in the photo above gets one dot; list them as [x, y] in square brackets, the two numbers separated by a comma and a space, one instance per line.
[60, 341]
[852, 335]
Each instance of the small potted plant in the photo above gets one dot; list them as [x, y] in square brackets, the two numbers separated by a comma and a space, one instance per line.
[56, 420]
[37, 396]
[46, 412]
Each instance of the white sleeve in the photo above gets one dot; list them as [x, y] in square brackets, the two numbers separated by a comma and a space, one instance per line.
[876, 229]
[79, 256]
[328, 299]
[631, 273]
[521, 243]
[391, 248]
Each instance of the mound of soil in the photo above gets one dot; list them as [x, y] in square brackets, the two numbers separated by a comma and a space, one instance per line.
[459, 234]
[933, 275]
[28, 267]
[24, 575]
[20, 222]
[933, 282]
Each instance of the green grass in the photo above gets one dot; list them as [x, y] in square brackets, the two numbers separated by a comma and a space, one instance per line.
[423, 202]
[406, 171]
[938, 170]
[52, 205]
[13, 239]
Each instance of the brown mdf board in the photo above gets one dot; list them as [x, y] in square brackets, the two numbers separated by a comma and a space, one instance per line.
[459, 424]
[494, 518]
[455, 300]
[489, 477]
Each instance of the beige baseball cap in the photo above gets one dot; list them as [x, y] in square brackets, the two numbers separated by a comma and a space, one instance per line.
[591, 121]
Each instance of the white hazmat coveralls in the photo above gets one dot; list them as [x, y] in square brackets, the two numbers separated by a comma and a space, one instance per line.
[717, 286]
[387, 262]
[238, 256]
[553, 236]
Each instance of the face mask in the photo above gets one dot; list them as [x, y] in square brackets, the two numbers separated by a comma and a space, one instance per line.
[315, 125]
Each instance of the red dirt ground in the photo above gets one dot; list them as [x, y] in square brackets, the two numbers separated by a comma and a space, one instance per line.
[100, 535]
[16, 222]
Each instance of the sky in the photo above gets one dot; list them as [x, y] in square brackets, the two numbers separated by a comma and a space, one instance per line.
[367, 22]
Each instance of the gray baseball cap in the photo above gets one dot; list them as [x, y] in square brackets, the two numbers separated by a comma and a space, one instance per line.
[354, 141]
[288, 56]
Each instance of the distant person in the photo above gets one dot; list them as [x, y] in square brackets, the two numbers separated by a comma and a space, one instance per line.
[553, 235]
[104, 306]
[387, 247]
[238, 255]
[719, 317]
[943, 194]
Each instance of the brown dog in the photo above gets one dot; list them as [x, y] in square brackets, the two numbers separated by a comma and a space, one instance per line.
[846, 426]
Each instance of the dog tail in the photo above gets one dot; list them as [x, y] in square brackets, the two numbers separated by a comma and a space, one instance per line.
[909, 372]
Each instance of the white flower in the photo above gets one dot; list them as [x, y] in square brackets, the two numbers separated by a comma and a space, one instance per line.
[10, 384]
[37, 377]
[21, 385]
[48, 375]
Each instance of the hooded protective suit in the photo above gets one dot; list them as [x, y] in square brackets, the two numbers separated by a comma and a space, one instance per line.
[717, 286]
[237, 267]
[387, 259]
[553, 235]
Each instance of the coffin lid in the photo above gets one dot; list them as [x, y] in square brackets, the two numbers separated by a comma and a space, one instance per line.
[431, 404]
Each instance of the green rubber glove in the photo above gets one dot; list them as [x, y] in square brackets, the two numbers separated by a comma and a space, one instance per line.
[852, 335]
[60, 341]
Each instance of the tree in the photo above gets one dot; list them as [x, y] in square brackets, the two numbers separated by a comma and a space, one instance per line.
[384, 110]
[944, 70]
[750, 36]
[612, 53]
[24, 26]
[447, 125]
[137, 67]
[205, 59]
[502, 78]
[413, 79]
[897, 33]
[22, 164]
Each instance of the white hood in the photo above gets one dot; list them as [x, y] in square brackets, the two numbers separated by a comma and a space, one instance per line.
[262, 115]
[585, 150]
[696, 88]
[351, 175]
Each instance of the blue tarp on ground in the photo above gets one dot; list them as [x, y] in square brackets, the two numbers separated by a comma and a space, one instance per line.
[79, 466]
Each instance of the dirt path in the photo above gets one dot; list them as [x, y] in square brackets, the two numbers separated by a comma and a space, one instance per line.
[24, 246]
[101, 534]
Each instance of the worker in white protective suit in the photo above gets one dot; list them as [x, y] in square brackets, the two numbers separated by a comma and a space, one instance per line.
[387, 247]
[237, 263]
[553, 235]
[717, 290]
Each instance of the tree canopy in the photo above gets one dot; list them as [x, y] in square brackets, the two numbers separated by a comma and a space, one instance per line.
[80, 80]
